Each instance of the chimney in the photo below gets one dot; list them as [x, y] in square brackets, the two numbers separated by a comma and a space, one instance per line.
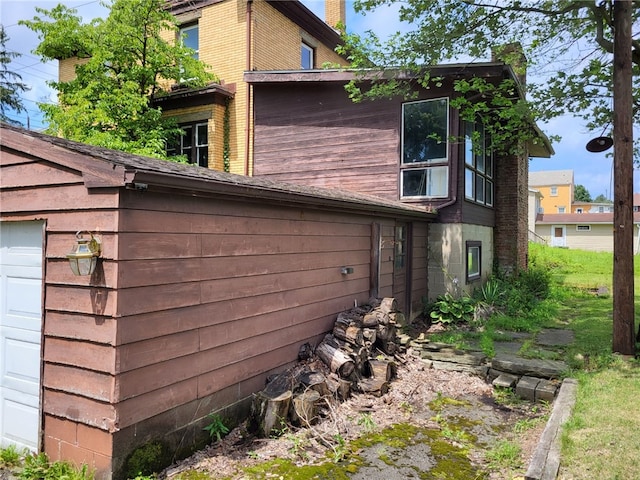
[513, 55]
[335, 11]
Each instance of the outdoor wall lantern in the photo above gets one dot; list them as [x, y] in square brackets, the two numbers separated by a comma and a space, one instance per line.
[84, 255]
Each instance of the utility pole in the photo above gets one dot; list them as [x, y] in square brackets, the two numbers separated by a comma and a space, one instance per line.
[623, 281]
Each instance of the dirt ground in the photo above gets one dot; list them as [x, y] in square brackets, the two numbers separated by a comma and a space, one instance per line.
[421, 396]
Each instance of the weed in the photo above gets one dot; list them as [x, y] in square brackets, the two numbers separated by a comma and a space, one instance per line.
[216, 427]
[406, 408]
[11, 457]
[526, 424]
[298, 445]
[38, 466]
[366, 422]
[504, 454]
[340, 449]
[505, 396]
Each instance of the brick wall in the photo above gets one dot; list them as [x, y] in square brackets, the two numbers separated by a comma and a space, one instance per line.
[335, 11]
[511, 230]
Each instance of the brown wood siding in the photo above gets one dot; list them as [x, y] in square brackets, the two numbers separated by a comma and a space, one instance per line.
[419, 271]
[78, 335]
[208, 288]
[363, 152]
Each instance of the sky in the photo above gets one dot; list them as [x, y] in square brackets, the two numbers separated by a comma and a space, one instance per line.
[592, 170]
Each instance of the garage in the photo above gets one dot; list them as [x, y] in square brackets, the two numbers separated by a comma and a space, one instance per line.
[20, 332]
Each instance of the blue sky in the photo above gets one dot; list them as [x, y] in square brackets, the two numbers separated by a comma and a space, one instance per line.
[592, 170]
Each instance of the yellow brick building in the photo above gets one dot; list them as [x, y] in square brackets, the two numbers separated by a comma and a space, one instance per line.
[231, 37]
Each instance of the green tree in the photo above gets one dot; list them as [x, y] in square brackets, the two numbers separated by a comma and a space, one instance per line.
[581, 194]
[567, 43]
[601, 199]
[11, 85]
[123, 61]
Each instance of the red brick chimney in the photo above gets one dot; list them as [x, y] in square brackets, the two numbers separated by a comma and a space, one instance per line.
[335, 11]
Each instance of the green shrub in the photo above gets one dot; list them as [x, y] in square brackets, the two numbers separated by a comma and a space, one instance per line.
[449, 310]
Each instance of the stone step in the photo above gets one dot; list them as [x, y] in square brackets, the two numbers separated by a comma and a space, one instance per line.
[529, 367]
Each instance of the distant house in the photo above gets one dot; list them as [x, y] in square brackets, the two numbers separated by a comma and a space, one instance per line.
[584, 231]
[570, 224]
[592, 207]
[556, 188]
[309, 132]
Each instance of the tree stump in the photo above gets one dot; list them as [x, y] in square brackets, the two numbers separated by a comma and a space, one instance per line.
[269, 412]
[304, 409]
[375, 386]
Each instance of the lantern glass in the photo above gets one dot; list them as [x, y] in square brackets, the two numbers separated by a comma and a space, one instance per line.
[84, 255]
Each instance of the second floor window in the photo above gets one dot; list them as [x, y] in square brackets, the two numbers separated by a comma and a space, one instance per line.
[478, 159]
[189, 36]
[424, 166]
[193, 144]
[554, 191]
[306, 57]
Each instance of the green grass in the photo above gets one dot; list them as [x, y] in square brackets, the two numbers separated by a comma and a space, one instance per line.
[600, 440]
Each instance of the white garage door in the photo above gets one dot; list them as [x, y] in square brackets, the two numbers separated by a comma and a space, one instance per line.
[20, 332]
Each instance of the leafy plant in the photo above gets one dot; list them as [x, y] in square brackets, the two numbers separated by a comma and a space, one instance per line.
[38, 467]
[216, 427]
[366, 422]
[10, 456]
[450, 310]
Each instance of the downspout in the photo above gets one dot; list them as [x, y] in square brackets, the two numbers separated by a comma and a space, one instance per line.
[247, 131]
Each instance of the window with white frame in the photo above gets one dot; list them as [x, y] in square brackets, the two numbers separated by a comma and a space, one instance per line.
[473, 264]
[306, 56]
[478, 172]
[554, 191]
[583, 228]
[193, 144]
[424, 167]
[562, 210]
[190, 38]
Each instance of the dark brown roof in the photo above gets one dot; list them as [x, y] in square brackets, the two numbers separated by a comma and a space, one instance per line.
[112, 168]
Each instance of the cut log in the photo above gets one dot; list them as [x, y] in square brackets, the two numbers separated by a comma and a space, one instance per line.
[314, 381]
[375, 318]
[349, 318]
[337, 360]
[386, 333]
[388, 305]
[398, 318]
[351, 333]
[304, 409]
[369, 335]
[383, 369]
[374, 386]
[339, 387]
[269, 413]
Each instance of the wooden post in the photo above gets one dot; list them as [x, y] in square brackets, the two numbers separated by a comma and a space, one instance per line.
[623, 299]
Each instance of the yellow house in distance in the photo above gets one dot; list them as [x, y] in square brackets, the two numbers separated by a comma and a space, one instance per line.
[234, 36]
[556, 190]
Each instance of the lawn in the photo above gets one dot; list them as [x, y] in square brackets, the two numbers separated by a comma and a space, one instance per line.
[601, 439]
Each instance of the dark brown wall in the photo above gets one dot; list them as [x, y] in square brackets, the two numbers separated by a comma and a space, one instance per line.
[315, 135]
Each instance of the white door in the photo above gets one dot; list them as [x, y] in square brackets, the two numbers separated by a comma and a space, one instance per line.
[20, 332]
[558, 236]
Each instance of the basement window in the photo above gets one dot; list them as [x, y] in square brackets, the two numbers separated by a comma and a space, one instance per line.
[583, 228]
[474, 250]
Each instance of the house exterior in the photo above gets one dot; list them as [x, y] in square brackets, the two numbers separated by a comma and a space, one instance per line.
[207, 282]
[583, 231]
[591, 207]
[556, 188]
[256, 35]
[534, 207]
[571, 224]
[379, 147]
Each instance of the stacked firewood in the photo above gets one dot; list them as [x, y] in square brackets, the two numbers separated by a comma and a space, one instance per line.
[358, 356]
